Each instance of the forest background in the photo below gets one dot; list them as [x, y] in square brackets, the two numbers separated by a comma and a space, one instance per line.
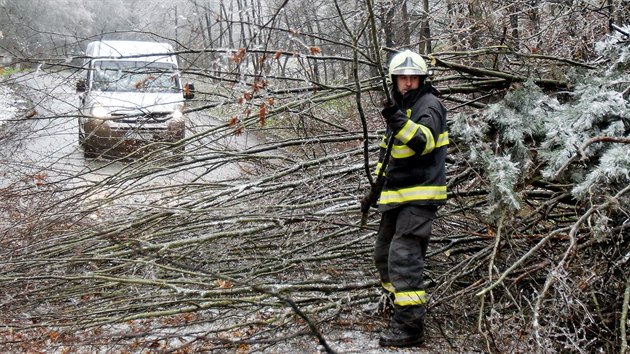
[531, 254]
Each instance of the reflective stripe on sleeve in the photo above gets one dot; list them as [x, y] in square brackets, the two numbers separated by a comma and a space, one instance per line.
[407, 131]
[410, 298]
[379, 165]
[442, 140]
[383, 142]
[430, 145]
[413, 193]
[402, 151]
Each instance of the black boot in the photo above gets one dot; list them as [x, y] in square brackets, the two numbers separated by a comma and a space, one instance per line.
[406, 328]
[402, 336]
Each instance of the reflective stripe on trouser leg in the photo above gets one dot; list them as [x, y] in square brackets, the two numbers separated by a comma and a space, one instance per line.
[389, 287]
[407, 252]
[410, 298]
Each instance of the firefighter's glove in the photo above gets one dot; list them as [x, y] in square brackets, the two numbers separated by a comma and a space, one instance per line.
[367, 202]
[394, 117]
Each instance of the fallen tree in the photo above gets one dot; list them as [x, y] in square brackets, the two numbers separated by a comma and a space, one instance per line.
[531, 251]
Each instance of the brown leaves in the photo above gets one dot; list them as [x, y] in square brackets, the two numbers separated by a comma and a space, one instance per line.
[238, 56]
[53, 336]
[263, 107]
[315, 50]
[251, 100]
[258, 85]
[224, 284]
[40, 178]
[236, 123]
[30, 114]
[262, 114]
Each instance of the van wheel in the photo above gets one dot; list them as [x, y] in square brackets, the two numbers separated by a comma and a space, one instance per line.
[178, 152]
[88, 151]
[179, 149]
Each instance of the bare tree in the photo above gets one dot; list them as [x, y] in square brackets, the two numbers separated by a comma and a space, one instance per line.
[249, 239]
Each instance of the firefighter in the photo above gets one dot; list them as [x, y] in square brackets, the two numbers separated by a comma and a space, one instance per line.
[414, 187]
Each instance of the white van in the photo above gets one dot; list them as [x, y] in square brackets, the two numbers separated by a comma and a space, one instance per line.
[131, 96]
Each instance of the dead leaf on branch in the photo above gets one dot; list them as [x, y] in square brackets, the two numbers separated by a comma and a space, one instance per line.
[238, 56]
[262, 114]
[224, 284]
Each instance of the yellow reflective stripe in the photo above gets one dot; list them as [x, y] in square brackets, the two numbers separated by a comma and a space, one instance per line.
[430, 145]
[407, 131]
[389, 287]
[383, 142]
[402, 151]
[442, 140]
[410, 129]
[379, 165]
[413, 193]
[409, 298]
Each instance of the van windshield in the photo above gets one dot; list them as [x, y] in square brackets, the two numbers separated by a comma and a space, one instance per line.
[134, 76]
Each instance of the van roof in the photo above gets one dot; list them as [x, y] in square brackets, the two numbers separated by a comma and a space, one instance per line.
[137, 50]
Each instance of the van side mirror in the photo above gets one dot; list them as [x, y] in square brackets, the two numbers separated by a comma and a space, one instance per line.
[189, 91]
[81, 85]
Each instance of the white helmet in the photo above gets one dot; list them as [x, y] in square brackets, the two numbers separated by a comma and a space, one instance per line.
[407, 63]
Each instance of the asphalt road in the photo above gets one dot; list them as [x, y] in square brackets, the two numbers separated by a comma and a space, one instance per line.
[44, 147]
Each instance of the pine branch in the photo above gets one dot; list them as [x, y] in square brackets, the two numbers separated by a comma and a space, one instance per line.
[582, 151]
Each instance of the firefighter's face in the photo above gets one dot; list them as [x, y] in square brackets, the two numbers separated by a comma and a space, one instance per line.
[407, 83]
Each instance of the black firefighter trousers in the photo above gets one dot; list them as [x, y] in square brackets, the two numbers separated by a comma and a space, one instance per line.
[399, 252]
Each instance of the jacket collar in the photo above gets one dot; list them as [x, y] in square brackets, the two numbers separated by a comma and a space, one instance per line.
[409, 99]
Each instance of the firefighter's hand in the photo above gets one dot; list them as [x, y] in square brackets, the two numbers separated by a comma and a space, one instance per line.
[389, 110]
[387, 103]
[366, 203]
[394, 118]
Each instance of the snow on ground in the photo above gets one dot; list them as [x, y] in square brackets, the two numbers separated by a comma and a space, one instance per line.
[10, 103]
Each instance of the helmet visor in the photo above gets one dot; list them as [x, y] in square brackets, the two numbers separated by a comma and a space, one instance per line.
[408, 71]
[408, 67]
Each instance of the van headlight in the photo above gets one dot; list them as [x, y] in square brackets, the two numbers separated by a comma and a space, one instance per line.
[178, 112]
[99, 111]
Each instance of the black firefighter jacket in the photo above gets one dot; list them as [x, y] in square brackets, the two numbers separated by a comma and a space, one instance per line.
[415, 173]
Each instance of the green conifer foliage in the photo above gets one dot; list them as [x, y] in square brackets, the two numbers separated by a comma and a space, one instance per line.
[551, 171]
[530, 135]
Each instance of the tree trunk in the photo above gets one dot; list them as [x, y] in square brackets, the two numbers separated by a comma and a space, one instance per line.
[516, 42]
[396, 25]
[425, 30]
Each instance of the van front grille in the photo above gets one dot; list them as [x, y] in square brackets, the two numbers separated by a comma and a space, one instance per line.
[150, 118]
